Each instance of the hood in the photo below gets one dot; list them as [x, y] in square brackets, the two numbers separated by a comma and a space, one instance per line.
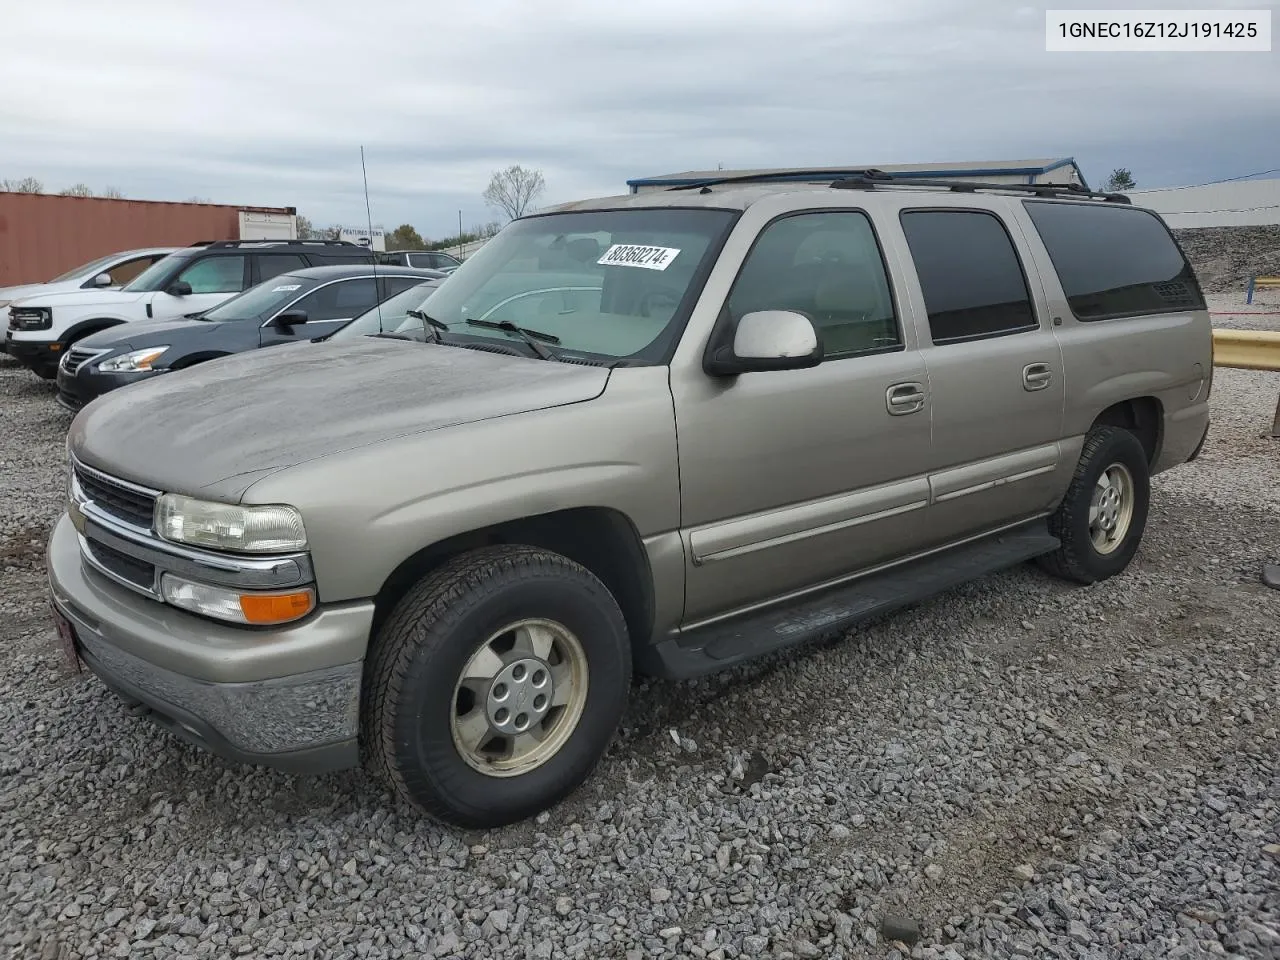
[81, 298]
[144, 333]
[25, 290]
[218, 428]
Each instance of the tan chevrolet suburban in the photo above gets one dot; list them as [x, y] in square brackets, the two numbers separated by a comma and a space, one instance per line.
[665, 432]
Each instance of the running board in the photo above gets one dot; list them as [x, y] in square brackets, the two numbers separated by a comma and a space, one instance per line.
[723, 644]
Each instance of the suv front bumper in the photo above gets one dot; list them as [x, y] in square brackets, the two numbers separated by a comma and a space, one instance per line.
[38, 356]
[287, 698]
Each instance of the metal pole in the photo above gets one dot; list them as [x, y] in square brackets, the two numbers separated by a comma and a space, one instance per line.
[459, 234]
[1275, 424]
[1249, 296]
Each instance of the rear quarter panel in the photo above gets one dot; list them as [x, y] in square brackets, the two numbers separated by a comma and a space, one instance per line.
[1166, 356]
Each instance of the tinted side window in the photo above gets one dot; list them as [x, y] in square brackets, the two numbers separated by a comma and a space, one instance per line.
[969, 273]
[827, 266]
[390, 286]
[215, 275]
[328, 258]
[1115, 261]
[339, 301]
[273, 264]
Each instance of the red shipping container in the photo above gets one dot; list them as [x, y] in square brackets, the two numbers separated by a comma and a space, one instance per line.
[43, 235]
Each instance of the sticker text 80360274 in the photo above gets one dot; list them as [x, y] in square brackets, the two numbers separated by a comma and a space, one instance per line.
[634, 255]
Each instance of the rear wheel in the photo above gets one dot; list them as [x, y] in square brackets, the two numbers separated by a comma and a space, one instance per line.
[496, 685]
[1102, 518]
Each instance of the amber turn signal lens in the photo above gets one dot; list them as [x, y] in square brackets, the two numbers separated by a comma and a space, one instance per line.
[264, 608]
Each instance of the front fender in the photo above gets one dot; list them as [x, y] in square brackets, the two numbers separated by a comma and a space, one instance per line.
[368, 510]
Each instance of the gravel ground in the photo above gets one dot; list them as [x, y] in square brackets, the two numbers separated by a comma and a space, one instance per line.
[1022, 767]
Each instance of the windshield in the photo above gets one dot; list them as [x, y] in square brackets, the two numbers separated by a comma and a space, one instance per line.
[156, 276]
[608, 284]
[85, 269]
[257, 303]
[391, 315]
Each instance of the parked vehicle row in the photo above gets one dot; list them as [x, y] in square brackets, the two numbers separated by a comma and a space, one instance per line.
[42, 327]
[666, 432]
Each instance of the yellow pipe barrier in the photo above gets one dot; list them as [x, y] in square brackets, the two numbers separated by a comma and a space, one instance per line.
[1249, 350]
[1246, 349]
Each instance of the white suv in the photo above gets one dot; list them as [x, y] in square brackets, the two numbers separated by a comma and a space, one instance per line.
[187, 282]
[113, 270]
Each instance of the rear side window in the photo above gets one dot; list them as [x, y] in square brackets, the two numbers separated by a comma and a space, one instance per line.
[1115, 261]
[970, 275]
[273, 264]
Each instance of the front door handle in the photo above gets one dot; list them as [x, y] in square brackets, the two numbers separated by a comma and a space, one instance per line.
[903, 398]
[1036, 376]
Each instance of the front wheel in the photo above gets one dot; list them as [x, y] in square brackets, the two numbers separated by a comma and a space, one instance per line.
[1101, 519]
[495, 685]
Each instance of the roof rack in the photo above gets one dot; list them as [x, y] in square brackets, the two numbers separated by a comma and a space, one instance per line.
[871, 179]
[801, 176]
[215, 244]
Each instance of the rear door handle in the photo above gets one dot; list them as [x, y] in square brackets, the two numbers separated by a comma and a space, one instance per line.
[904, 398]
[1036, 376]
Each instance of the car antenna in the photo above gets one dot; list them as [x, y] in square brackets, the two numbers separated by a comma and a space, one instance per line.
[368, 212]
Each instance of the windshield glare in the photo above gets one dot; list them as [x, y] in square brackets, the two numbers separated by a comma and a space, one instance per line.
[260, 302]
[156, 276]
[608, 284]
[84, 270]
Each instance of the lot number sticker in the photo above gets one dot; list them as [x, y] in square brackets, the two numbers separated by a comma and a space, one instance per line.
[285, 287]
[631, 255]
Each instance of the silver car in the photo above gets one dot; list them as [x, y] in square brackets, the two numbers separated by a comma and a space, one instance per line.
[665, 432]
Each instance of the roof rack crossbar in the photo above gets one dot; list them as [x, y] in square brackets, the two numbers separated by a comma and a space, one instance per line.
[863, 182]
[214, 244]
[799, 176]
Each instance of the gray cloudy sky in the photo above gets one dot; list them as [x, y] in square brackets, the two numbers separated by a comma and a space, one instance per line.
[268, 102]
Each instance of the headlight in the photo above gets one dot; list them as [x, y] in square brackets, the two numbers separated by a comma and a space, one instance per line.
[228, 526]
[30, 318]
[133, 361]
[221, 603]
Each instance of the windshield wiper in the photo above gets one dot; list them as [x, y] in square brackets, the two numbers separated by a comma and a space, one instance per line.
[531, 337]
[431, 327]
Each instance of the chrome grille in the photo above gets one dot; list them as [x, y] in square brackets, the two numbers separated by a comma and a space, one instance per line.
[116, 498]
[135, 571]
[77, 357]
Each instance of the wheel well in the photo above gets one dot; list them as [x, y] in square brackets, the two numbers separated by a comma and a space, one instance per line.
[601, 539]
[86, 327]
[1143, 417]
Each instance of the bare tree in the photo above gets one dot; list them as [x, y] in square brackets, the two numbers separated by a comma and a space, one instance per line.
[514, 190]
[79, 190]
[306, 229]
[113, 193]
[25, 185]
[333, 232]
[198, 200]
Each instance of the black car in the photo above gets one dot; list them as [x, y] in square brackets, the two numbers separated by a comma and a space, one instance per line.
[289, 308]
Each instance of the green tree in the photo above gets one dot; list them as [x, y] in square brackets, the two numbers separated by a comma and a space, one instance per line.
[514, 190]
[1119, 181]
[404, 237]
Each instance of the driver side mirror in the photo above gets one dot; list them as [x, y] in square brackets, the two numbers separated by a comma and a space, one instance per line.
[179, 288]
[762, 341]
[103, 280]
[289, 317]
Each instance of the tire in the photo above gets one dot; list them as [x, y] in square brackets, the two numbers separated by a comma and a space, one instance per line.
[1110, 451]
[447, 622]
